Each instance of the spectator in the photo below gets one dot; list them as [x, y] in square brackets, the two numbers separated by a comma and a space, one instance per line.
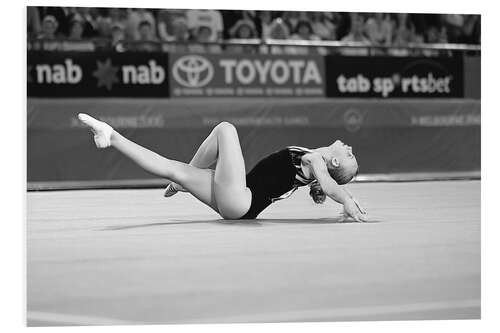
[211, 19]
[323, 27]
[61, 15]
[134, 18]
[166, 20]
[304, 31]
[146, 32]
[180, 34]
[202, 36]
[105, 23]
[49, 27]
[291, 18]
[243, 29]
[264, 19]
[180, 30]
[76, 41]
[454, 24]
[434, 35]
[356, 35]
[147, 38]
[88, 17]
[277, 30]
[404, 34]
[379, 29]
[33, 21]
[48, 34]
[76, 29]
[117, 36]
[471, 30]
[229, 18]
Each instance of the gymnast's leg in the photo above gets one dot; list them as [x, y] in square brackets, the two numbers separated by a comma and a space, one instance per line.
[223, 189]
[205, 156]
[222, 147]
[232, 195]
[199, 182]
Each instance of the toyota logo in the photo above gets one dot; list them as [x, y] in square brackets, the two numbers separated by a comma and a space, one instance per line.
[193, 71]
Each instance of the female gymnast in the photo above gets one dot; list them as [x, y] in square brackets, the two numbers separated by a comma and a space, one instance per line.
[231, 192]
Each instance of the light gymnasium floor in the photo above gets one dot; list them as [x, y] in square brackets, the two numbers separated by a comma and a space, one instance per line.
[132, 256]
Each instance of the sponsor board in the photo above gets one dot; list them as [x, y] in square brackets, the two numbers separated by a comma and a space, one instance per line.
[240, 75]
[386, 77]
[94, 74]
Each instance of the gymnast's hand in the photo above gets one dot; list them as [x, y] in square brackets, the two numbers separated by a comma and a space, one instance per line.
[353, 210]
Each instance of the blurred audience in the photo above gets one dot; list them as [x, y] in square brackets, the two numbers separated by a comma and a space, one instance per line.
[404, 34]
[201, 18]
[278, 29]
[33, 22]
[49, 28]
[303, 31]
[323, 25]
[378, 29]
[265, 19]
[76, 29]
[166, 20]
[292, 18]
[202, 39]
[180, 36]
[134, 18]
[244, 29]
[356, 34]
[147, 37]
[105, 21]
[117, 36]
[200, 30]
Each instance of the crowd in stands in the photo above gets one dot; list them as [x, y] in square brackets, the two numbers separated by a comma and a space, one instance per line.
[181, 30]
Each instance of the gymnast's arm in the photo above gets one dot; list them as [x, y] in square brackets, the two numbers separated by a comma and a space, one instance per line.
[318, 168]
[332, 189]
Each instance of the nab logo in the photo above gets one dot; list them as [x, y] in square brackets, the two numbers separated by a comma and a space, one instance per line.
[107, 74]
[143, 74]
[193, 71]
[59, 73]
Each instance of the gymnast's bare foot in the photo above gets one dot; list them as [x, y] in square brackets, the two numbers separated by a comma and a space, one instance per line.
[172, 189]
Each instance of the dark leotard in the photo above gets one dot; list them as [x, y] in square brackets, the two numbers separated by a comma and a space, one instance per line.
[275, 177]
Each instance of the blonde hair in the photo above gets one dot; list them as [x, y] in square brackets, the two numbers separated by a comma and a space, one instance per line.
[341, 175]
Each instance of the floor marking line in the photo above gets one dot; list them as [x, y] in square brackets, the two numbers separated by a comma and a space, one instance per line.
[310, 315]
[62, 318]
[350, 312]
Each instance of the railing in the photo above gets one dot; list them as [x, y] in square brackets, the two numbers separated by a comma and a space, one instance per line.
[255, 45]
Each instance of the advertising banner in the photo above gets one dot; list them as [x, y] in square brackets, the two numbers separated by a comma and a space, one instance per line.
[409, 135]
[241, 75]
[96, 74]
[389, 77]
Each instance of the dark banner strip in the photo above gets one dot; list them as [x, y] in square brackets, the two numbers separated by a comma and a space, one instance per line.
[141, 74]
[96, 74]
[388, 77]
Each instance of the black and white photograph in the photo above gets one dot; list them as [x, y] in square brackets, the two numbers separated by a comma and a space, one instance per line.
[229, 166]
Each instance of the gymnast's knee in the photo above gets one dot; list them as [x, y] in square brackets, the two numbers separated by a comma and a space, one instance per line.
[225, 127]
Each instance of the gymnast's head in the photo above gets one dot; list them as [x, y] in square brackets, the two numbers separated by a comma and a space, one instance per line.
[342, 164]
